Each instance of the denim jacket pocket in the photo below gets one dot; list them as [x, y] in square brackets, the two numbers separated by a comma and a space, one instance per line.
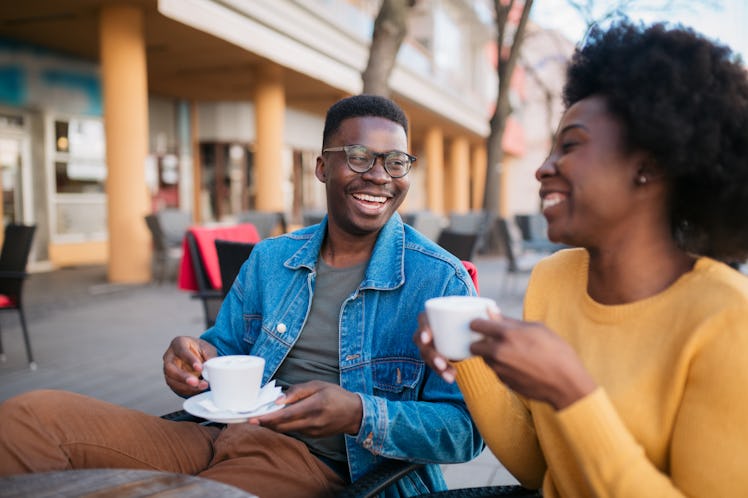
[397, 378]
[252, 328]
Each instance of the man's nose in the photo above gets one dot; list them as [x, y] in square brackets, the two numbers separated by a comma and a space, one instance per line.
[377, 172]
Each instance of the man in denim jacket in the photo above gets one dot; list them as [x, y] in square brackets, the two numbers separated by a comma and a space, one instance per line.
[332, 309]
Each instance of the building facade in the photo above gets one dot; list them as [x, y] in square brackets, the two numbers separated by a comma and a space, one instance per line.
[112, 109]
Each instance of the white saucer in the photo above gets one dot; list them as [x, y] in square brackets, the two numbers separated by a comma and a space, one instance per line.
[193, 406]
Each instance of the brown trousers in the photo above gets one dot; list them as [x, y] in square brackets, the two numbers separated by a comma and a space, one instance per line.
[56, 430]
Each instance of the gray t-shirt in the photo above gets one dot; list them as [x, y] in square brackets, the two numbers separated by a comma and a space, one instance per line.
[315, 356]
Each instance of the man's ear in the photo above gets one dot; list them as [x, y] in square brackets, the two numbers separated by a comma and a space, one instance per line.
[320, 171]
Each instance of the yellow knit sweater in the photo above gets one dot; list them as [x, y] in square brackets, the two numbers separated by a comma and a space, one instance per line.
[670, 417]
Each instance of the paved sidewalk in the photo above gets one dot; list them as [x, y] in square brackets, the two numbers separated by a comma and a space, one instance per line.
[106, 341]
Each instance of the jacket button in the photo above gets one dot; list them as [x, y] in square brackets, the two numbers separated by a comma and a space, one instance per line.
[369, 441]
[281, 328]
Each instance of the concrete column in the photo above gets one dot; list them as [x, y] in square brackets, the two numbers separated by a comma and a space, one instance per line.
[125, 89]
[434, 149]
[184, 144]
[270, 106]
[458, 175]
[197, 170]
[478, 160]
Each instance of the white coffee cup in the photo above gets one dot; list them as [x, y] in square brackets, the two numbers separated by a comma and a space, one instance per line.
[449, 319]
[235, 380]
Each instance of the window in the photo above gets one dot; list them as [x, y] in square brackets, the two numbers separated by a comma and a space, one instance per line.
[78, 162]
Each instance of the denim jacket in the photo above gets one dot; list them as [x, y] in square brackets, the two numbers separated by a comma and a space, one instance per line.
[409, 412]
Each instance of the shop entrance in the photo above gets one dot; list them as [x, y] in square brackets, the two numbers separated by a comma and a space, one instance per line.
[13, 165]
[226, 179]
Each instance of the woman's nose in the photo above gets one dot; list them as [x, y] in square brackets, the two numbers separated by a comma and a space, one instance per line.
[547, 167]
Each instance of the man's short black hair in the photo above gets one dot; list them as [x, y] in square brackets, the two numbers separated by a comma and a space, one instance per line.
[683, 100]
[361, 106]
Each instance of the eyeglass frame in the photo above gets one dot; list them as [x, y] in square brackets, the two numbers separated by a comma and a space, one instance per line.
[375, 156]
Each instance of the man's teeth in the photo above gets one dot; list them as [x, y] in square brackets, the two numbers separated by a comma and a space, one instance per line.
[370, 198]
[551, 201]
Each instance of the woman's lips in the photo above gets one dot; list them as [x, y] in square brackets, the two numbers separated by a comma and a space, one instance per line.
[552, 199]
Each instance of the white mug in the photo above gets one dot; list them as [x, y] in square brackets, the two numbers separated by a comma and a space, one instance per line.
[449, 319]
[235, 380]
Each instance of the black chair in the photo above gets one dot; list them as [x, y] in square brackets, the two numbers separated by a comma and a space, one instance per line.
[427, 222]
[231, 256]
[166, 255]
[534, 228]
[486, 492]
[312, 217]
[462, 245]
[266, 222]
[174, 223]
[211, 298]
[13, 260]
[472, 222]
[519, 261]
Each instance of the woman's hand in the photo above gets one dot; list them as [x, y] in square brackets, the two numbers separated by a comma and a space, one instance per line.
[424, 339]
[532, 361]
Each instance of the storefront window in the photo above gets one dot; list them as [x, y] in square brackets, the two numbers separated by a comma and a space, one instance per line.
[79, 172]
[79, 158]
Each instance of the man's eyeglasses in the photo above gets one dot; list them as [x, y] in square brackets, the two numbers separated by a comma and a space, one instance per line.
[360, 159]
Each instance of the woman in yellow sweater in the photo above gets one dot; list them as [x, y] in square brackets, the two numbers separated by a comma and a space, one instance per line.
[628, 376]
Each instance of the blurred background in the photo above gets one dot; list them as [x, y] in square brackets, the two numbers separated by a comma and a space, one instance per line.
[111, 110]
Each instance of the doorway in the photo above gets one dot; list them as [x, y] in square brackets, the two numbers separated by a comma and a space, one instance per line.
[15, 197]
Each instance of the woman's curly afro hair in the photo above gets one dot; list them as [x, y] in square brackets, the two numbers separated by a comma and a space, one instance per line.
[684, 100]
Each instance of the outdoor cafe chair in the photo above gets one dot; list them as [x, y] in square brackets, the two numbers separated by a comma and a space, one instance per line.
[199, 270]
[534, 228]
[165, 255]
[13, 259]
[519, 260]
[231, 257]
[461, 245]
[174, 223]
[472, 222]
[312, 216]
[427, 222]
[267, 223]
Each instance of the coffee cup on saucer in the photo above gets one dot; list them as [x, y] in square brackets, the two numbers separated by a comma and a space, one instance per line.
[234, 380]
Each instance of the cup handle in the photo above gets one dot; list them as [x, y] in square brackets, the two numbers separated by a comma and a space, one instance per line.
[205, 373]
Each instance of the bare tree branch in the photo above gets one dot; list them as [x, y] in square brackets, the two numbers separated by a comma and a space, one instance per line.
[508, 54]
[390, 28]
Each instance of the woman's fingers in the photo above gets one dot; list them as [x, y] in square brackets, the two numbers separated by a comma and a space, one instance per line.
[424, 339]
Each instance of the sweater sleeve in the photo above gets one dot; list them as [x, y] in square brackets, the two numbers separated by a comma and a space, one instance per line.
[710, 436]
[503, 420]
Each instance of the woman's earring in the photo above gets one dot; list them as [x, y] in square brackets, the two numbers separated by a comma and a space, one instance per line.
[641, 179]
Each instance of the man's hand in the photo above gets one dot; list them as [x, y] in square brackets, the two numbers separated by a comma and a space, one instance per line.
[183, 364]
[316, 409]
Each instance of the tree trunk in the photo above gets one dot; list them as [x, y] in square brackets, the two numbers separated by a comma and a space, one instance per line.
[508, 53]
[390, 28]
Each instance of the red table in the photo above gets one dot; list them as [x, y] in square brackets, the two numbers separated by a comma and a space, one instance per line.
[205, 237]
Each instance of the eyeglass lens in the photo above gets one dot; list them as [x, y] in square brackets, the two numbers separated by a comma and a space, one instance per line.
[361, 159]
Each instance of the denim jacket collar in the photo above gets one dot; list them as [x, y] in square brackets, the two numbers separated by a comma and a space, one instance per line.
[386, 268]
